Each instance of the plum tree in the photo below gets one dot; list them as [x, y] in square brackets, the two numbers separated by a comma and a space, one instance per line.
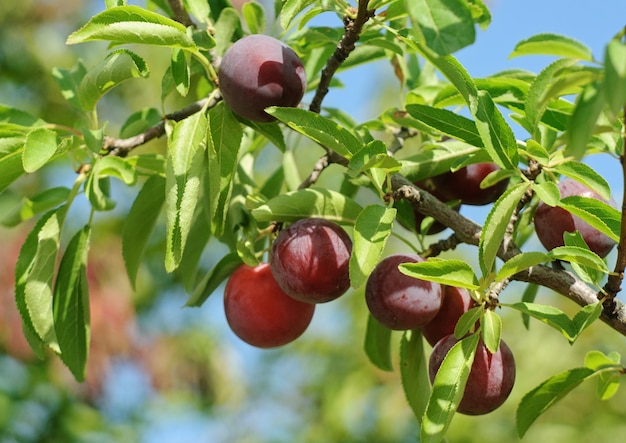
[551, 222]
[310, 260]
[491, 377]
[455, 302]
[259, 71]
[259, 312]
[398, 301]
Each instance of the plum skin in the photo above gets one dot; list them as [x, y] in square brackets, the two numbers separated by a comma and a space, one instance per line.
[456, 302]
[490, 380]
[464, 184]
[259, 312]
[310, 260]
[552, 222]
[398, 301]
[258, 71]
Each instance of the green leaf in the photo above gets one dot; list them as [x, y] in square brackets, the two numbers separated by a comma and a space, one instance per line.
[226, 28]
[184, 170]
[290, 9]
[117, 67]
[445, 26]
[586, 175]
[447, 122]
[311, 202]
[132, 24]
[494, 229]
[581, 256]
[371, 231]
[597, 213]
[378, 344]
[373, 155]
[71, 304]
[585, 317]
[11, 163]
[140, 222]
[540, 399]
[537, 152]
[549, 315]
[448, 389]
[436, 160]
[255, 17]
[34, 274]
[98, 191]
[121, 168]
[614, 86]
[497, 135]
[181, 72]
[320, 129]
[467, 321]
[521, 262]
[548, 192]
[414, 372]
[445, 271]
[30, 207]
[212, 279]
[552, 44]
[69, 81]
[588, 274]
[491, 330]
[528, 296]
[581, 125]
[139, 122]
[224, 140]
[40, 147]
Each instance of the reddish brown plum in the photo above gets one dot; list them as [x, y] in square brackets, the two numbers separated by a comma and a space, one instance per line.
[398, 301]
[491, 377]
[259, 312]
[310, 260]
[552, 222]
[258, 71]
[456, 302]
[464, 184]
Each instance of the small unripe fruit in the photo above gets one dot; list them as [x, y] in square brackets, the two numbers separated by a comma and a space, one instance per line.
[259, 71]
[310, 260]
[490, 380]
[259, 312]
[552, 222]
[398, 301]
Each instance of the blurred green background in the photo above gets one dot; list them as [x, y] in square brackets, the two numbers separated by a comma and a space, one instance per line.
[162, 373]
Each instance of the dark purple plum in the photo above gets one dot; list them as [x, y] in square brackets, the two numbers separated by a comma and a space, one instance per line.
[456, 302]
[464, 184]
[310, 260]
[398, 301]
[491, 377]
[552, 222]
[258, 71]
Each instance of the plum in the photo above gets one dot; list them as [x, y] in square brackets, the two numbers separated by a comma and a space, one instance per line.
[258, 71]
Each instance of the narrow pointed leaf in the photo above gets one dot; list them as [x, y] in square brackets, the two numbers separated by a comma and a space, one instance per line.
[598, 214]
[378, 344]
[445, 271]
[615, 75]
[582, 123]
[447, 122]
[212, 279]
[585, 317]
[540, 399]
[71, 305]
[40, 147]
[552, 44]
[448, 388]
[132, 24]
[414, 372]
[371, 231]
[549, 315]
[578, 255]
[495, 225]
[184, 170]
[311, 202]
[520, 263]
[491, 330]
[140, 222]
[586, 175]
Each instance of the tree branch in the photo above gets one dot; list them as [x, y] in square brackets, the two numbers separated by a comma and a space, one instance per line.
[121, 147]
[180, 14]
[353, 28]
[467, 231]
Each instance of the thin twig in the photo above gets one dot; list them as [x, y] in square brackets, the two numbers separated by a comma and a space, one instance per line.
[121, 147]
[180, 14]
[614, 282]
[353, 28]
